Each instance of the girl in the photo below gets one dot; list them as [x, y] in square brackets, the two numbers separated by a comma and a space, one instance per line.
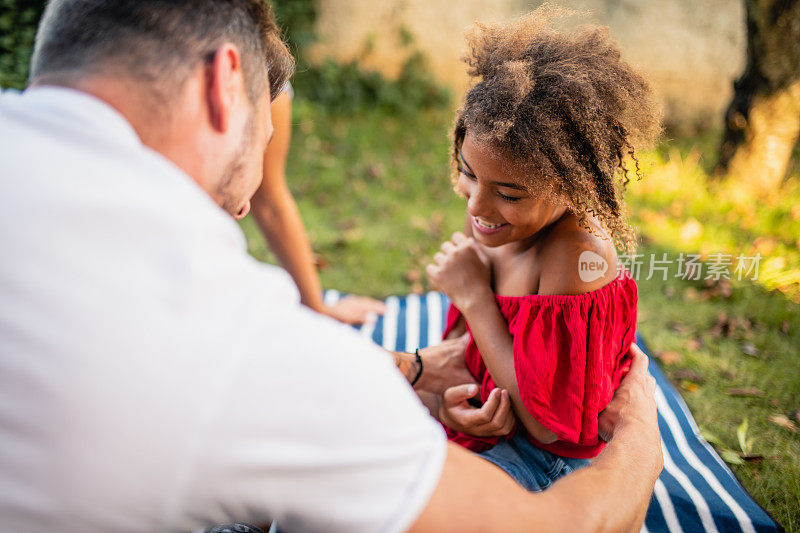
[541, 151]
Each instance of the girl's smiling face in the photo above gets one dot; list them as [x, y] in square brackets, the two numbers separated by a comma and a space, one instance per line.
[501, 208]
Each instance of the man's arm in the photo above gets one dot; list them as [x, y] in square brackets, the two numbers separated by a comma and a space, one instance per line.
[611, 494]
[442, 366]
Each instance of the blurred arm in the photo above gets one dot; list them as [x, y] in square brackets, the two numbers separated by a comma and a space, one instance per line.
[279, 219]
[276, 211]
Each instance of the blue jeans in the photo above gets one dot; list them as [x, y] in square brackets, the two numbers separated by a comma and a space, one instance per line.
[532, 467]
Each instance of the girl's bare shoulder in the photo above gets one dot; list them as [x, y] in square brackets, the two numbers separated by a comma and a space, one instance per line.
[575, 260]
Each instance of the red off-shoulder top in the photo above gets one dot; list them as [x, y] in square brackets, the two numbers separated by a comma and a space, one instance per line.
[570, 354]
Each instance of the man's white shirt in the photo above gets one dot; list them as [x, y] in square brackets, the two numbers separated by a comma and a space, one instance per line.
[153, 376]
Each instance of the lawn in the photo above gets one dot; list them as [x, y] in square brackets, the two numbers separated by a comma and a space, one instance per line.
[375, 195]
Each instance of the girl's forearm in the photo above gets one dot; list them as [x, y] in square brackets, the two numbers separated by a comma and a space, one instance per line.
[490, 331]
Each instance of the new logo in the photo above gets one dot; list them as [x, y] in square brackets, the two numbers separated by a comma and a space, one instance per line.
[591, 266]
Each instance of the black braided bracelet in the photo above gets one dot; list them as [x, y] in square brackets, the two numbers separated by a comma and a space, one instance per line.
[419, 372]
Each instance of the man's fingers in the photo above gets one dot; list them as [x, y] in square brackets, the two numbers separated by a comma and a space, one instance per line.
[605, 424]
[363, 304]
[375, 306]
[651, 386]
[639, 361]
[463, 341]
[460, 393]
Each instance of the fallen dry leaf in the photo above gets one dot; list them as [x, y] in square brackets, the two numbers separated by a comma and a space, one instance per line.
[689, 386]
[690, 375]
[435, 224]
[750, 349]
[693, 344]
[669, 357]
[678, 327]
[783, 421]
[725, 288]
[375, 171]
[765, 245]
[726, 326]
[746, 391]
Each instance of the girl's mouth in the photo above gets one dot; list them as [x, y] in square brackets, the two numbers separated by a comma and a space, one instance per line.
[486, 228]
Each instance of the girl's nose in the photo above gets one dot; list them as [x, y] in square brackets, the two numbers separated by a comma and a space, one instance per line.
[477, 203]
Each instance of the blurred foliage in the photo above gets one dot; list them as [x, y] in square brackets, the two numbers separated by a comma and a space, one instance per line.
[18, 21]
[339, 87]
[296, 18]
[678, 206]
[347, 87]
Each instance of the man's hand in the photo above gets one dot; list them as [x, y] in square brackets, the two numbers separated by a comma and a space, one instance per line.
[633, 405]
[354, 310]
[494, 419]
[443, 365]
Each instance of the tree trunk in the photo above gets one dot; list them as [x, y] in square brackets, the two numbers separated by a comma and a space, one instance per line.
[762, 123]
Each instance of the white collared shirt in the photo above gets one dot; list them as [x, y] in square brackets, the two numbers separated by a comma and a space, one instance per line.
[153, 376]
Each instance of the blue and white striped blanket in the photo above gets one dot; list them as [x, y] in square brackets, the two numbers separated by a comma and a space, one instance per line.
[696, 492]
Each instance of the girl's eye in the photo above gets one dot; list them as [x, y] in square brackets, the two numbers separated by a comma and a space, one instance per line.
[467, 174]
[509, 198]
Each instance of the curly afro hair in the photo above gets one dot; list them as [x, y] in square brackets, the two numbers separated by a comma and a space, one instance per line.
[563, 108]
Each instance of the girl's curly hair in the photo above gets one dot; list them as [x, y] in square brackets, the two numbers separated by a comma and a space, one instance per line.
[563, 108]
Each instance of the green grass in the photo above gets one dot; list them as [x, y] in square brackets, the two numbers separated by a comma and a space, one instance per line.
[376, 198]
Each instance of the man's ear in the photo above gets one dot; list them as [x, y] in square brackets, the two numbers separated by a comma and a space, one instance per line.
[224, 80]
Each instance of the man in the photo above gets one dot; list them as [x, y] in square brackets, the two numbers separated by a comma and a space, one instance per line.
[154, 377]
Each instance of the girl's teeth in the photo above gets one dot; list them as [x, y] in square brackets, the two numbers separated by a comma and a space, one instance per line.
[486, 224]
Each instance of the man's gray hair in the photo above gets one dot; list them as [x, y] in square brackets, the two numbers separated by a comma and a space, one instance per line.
[158, 42]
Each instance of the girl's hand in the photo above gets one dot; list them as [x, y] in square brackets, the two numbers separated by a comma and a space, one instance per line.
[354, 310]
[462, 271]
[494, 419]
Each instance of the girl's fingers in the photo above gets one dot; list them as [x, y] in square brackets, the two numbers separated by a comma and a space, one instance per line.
[499, 420]
[433, 272]
[508, 415]
[489, 408]
[448, 247]
[459, 238]
[460, 393]
[438, 258]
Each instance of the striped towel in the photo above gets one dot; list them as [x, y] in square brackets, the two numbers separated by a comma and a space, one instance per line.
[696, 492]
